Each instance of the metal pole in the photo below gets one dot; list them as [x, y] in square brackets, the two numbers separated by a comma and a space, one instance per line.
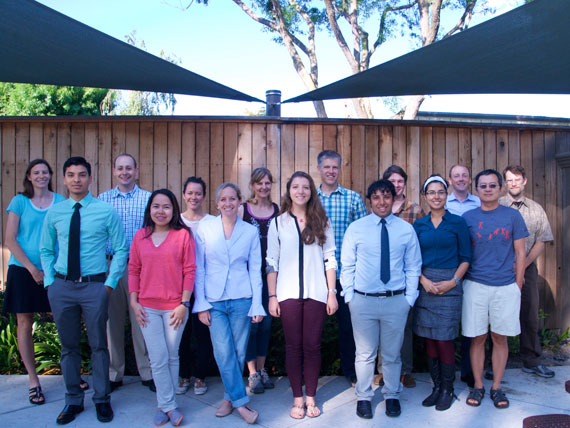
[273, 103]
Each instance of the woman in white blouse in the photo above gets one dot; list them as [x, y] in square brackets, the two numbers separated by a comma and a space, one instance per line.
[300, 249]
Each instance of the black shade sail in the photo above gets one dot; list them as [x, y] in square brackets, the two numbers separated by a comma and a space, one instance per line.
[41, 45]
[524, 51]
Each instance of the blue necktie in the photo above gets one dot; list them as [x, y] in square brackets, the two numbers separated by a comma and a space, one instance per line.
[384, 254]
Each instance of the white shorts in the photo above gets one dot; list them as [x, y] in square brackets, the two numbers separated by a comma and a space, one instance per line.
[487, 304]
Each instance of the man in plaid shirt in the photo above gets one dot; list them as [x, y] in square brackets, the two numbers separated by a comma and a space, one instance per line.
[130, 202]
[343, 206]
[410, 212]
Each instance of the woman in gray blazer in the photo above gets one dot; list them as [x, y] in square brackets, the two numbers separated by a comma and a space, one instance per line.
[228, 293]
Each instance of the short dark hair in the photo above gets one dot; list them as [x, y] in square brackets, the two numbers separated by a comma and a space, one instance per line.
[197, 180]
[489, 172]
[28, 187]
[328, 154]
[77, 160]
[395, 169]
[128, 155]
[381, 186]
[514, 169]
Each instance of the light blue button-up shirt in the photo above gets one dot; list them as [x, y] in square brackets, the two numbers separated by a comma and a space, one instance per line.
[360, 258]
[99, 222]
[457, 207]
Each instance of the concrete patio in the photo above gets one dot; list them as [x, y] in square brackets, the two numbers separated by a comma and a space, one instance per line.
[135, 405]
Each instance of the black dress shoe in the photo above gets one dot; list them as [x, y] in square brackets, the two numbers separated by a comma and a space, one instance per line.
[115, 385]
[393, 407]
[149, 384]
[364, 409]
[468, 379]
[104, 412]
[68, 413]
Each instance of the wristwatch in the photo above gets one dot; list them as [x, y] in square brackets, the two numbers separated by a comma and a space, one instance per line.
[332, 290]
[187, 304]
[457, 281]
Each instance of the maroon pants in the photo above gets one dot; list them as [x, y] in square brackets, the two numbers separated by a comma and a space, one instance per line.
[303, 322]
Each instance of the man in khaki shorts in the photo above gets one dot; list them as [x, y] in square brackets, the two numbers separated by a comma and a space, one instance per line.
[491, 290]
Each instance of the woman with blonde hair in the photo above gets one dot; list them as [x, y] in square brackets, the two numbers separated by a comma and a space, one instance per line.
[301, 275]
[258, 211]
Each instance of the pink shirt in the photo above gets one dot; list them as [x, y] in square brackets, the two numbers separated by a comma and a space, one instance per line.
[160, 274]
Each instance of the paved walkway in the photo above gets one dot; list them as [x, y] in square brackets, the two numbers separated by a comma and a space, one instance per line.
[134, 405]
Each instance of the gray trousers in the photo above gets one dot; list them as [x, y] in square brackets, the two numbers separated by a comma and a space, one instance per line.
[374, 320]
[118, 307]
[68, 300]
[407, 351]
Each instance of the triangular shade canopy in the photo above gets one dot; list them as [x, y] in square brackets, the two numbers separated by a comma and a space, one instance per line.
[40, 45]
[524, 51]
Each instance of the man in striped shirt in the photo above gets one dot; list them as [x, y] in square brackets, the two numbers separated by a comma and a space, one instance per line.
[130, 202]
[343, 206]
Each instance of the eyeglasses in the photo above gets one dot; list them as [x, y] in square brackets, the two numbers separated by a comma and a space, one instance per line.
[515, 180]
[490, 186]
[432, 193]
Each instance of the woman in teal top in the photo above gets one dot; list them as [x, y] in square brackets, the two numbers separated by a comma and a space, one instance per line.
[25, 293]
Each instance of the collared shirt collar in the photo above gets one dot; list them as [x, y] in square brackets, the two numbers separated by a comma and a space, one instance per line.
[470, 197]
[376, 218]
[339, 189]
[404, 206]
[84, 202]
[512, 201]
[117, 192]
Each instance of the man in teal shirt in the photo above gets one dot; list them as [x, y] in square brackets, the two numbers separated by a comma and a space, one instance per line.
[73, 255]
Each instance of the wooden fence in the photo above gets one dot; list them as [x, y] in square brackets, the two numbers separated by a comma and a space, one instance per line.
[169, 149]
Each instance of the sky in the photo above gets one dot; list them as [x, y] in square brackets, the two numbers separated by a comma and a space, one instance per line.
[220, 42]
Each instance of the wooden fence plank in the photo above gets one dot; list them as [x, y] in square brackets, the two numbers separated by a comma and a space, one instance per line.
[514, 147]
[160, 155]
[273, 159]
[464, 146]
[22, 152]
[8, 181]
[287, 154]
[50, 151]
[63, 151]
[77, 139]
[92, 155]
[216, 161]
[399, 146]
[413, 155]
[302, 148]
[132, 138]
[359, 160]
[36, 141]
[344, 149]
[174, 163]
[203, 162]
[106, 156]
[371, 153]
[329, 137]
[451, 149]
[477, 154]
[146, 156]
[315, 147]
[550, 259]
[386, 149]
[259, 145]
[502, 149]
[244, 155]
[490, 139]
[526, 160]
[426, 152]
[438, 145]
[231, 152]
[188, 163]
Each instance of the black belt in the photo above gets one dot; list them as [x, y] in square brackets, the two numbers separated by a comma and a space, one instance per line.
[383, 294]
[100, 277]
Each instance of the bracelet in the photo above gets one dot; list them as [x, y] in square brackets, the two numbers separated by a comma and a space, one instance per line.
[332, 290]
[457, 280]
[272, 295]
[186, 304]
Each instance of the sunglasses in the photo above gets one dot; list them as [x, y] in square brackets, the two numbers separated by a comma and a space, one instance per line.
[490, 186]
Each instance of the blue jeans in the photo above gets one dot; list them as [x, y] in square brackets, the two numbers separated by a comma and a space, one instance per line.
[162, 342]
[229, 331]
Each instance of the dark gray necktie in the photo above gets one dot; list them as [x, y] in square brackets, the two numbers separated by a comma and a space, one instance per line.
[73, 263]
[384, 254]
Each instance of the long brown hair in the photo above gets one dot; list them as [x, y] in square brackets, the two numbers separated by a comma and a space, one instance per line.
[256, 176]
[317, 220]
[28, 187]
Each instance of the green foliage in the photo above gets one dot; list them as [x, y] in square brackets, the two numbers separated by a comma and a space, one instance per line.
[9, 356]
[552, 338]
[22, 99]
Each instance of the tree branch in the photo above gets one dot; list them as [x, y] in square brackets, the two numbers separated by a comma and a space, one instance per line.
[331, 15]
[465, 19]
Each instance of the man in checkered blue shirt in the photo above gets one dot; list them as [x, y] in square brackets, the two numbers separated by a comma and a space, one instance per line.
[343, 206]
[130, 202]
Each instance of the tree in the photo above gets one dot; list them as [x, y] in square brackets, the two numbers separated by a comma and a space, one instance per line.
[294, 24]
[23, 99]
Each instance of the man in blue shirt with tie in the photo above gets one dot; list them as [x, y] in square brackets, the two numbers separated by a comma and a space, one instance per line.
[72, 251]
[381, 266]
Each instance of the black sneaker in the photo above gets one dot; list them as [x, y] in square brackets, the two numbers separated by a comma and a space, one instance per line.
[539, 370]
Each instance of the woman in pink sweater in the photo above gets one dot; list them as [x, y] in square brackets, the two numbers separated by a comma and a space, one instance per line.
[162, 270]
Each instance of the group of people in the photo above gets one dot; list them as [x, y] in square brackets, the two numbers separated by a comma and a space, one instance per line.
[386, 275]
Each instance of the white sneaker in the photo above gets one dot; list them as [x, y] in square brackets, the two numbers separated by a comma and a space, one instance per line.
[200, 387]
[183, 386]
